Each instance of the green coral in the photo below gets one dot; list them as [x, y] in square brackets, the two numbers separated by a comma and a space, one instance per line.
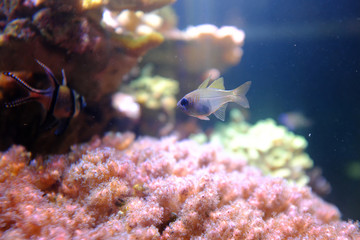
[270, 147]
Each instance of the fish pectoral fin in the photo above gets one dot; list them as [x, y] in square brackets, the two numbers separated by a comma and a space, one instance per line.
[205, 83]
[218, 84]
[220, 113]
[203, 117]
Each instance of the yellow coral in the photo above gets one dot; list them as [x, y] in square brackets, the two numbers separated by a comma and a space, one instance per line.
[271, 148]
[138, 46]
[154, 92]
[88, 4]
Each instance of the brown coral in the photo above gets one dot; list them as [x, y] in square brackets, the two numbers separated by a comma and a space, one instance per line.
[95, 58]
[202, 48]
[155, 189]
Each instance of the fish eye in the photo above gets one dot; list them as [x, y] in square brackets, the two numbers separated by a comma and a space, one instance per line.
[184, 102]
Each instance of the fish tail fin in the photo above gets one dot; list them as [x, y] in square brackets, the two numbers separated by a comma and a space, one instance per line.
[240, 94]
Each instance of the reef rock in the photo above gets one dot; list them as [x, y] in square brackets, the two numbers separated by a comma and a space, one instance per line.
[69, 35]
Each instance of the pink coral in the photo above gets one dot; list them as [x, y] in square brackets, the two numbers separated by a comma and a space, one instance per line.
[116, 187]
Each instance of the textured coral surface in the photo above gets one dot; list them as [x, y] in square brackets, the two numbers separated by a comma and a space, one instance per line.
[272, 148]
[116, 187]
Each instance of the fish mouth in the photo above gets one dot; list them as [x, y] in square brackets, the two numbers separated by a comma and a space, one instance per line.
[178, 105]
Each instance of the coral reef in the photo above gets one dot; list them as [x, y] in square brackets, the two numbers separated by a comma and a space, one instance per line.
[118, 5]
[154, 92]
[198, 49]
[271, 148]
[157, 96]
[126, 105]
[72, 32]
[130, 22]
[69, 35]
[98, 43]
[116, 187]
[210, 47]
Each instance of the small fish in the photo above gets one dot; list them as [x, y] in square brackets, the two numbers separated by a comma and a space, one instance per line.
[206, 100]
[295, 120]
[60, 102]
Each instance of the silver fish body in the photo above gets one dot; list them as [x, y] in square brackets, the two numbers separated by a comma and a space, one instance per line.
[207, 100]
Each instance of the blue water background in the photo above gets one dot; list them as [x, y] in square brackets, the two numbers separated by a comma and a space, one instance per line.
[305, 56]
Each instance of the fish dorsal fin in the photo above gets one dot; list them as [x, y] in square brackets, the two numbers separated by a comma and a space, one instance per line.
[205, 83]
[220, 113]
[218, 84]
[49, 74]
[64, 81]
